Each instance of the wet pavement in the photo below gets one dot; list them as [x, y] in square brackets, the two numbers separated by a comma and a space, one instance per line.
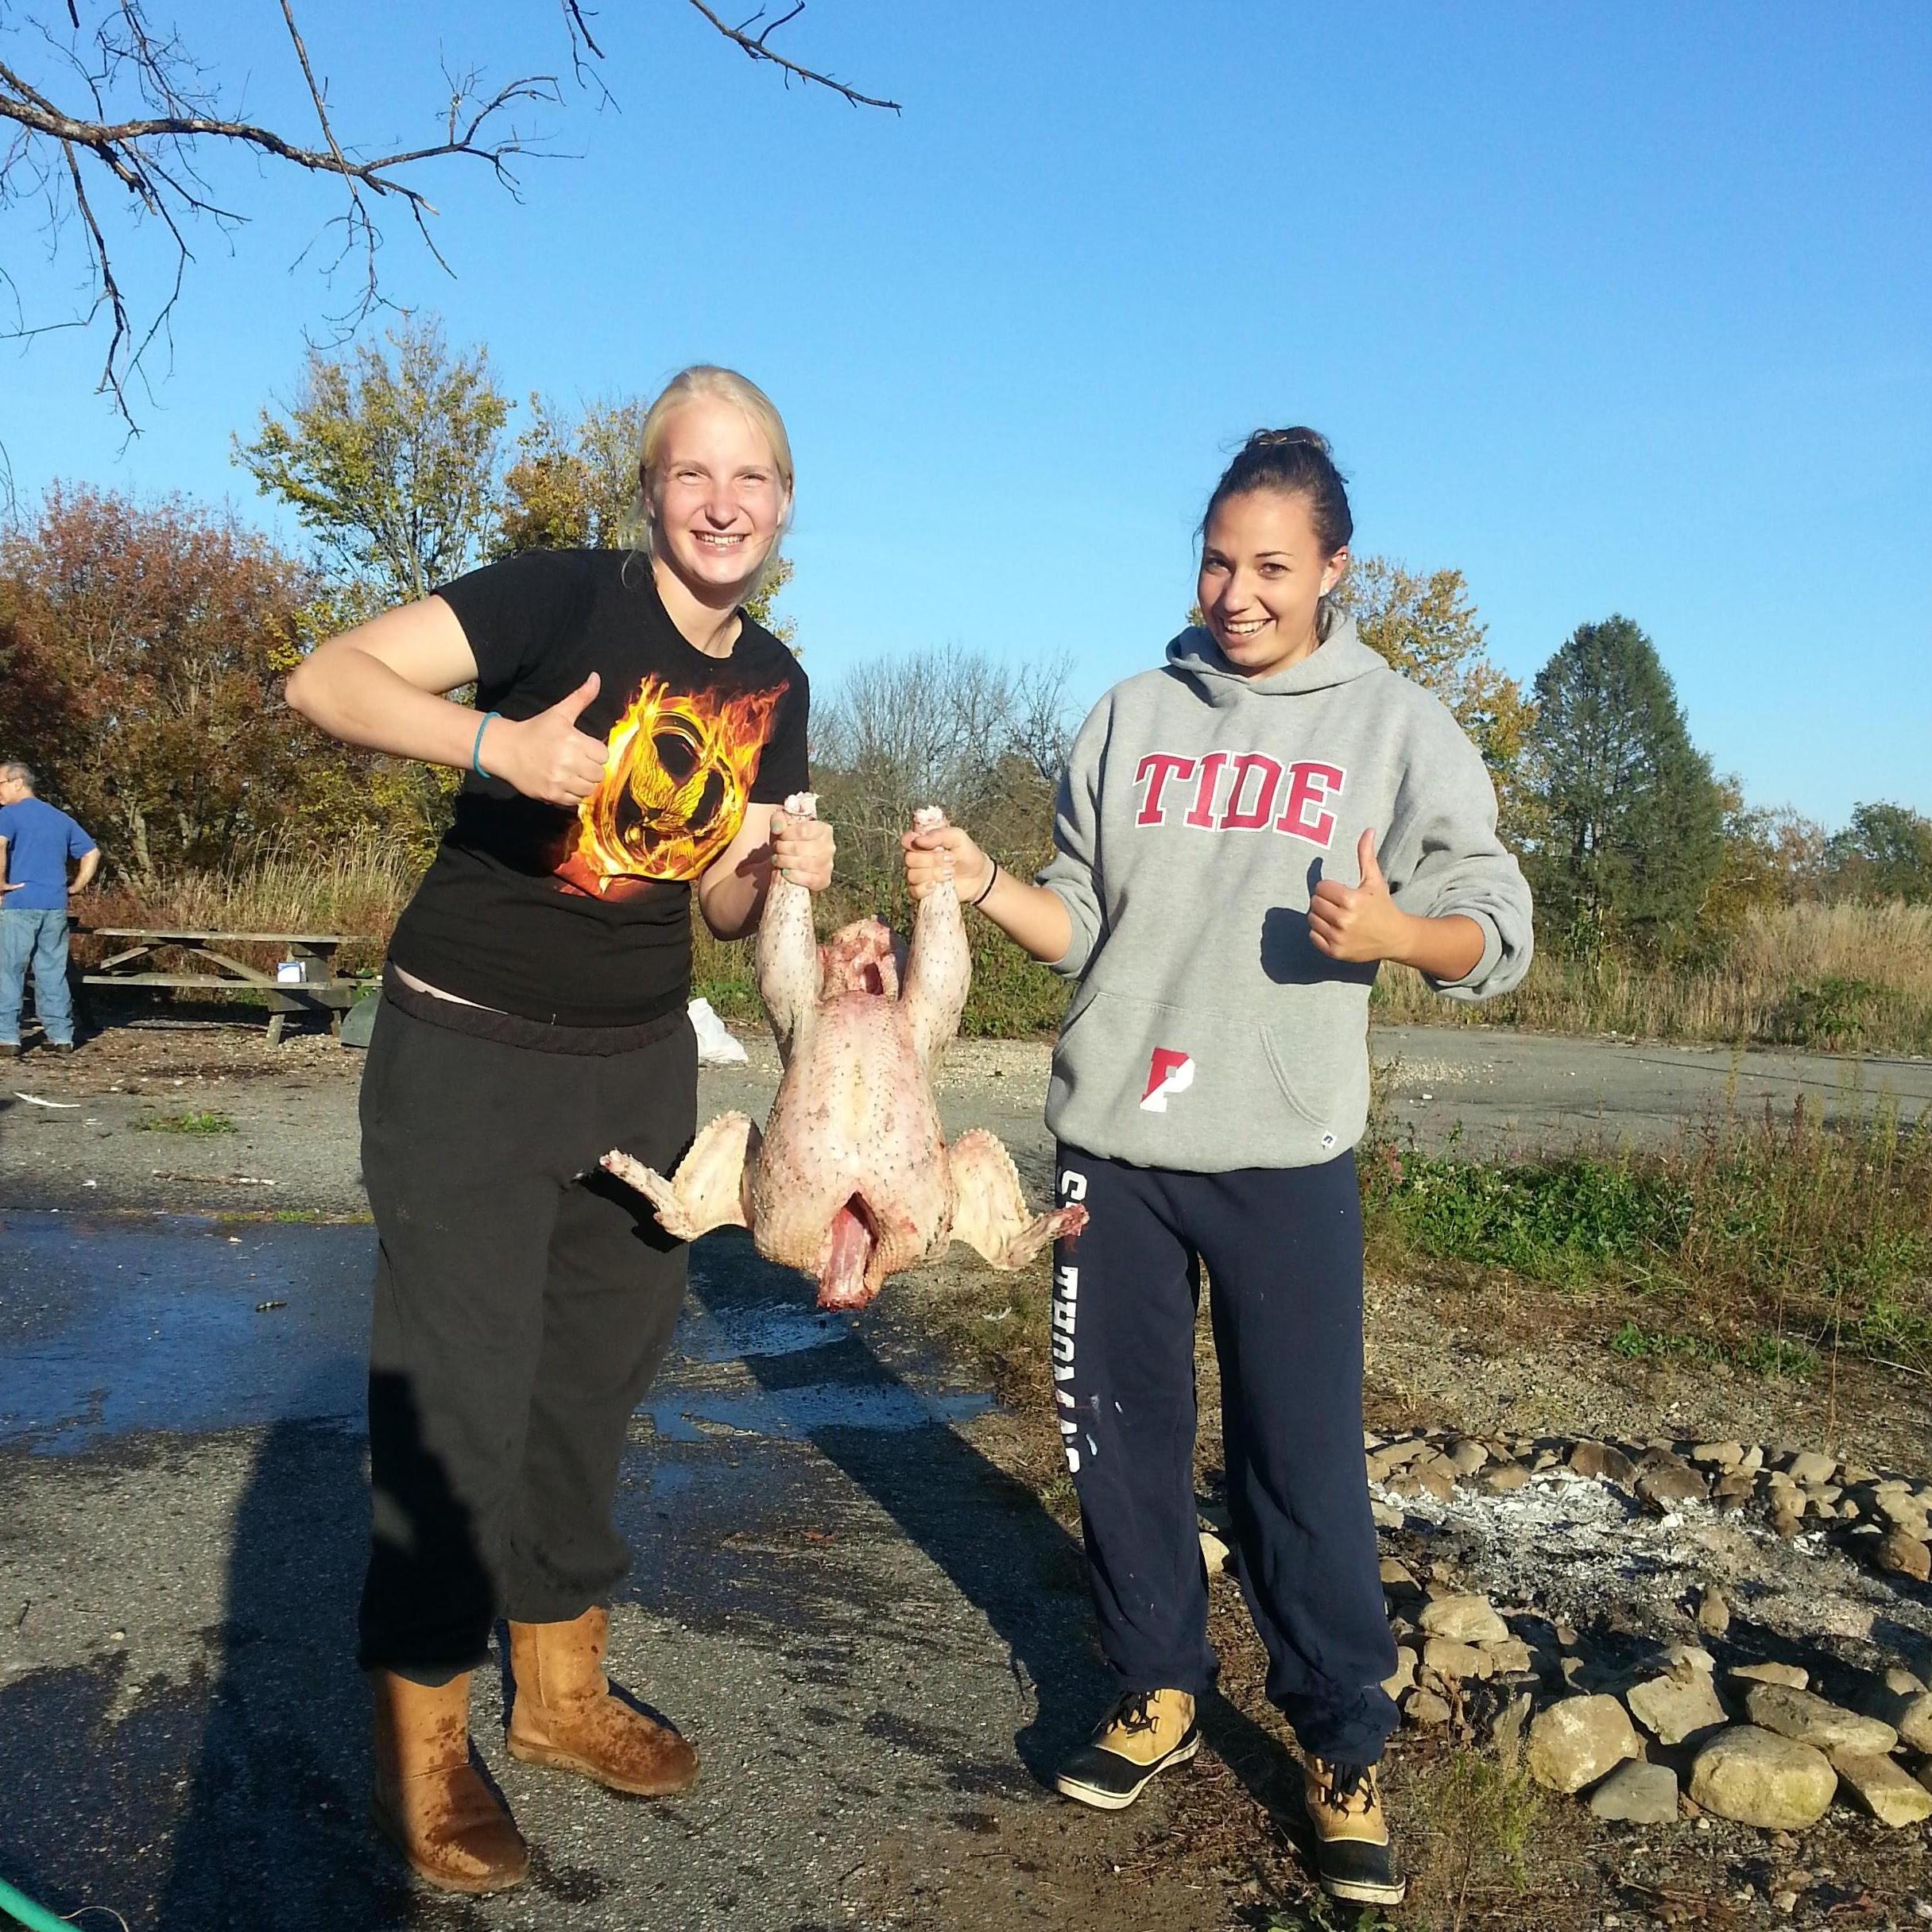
[879, 1641]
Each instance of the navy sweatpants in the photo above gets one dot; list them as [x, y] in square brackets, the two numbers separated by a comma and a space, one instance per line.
[1283, 1249]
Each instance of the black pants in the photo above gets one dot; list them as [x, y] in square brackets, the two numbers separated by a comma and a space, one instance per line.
[1282, 1248]
[524, 1301]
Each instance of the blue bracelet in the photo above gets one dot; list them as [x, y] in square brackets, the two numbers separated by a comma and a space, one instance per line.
[476, 750]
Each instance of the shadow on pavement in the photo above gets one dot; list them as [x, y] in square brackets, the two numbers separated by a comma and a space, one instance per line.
[237, 1801]
[993, 1538]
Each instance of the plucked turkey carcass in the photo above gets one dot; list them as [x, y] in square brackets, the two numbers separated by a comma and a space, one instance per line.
[852, 1179]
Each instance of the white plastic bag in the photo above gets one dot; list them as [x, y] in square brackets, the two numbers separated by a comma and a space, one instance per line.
[716, 1047]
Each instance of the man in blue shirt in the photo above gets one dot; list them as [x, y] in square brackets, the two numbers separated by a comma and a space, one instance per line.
[36, 843]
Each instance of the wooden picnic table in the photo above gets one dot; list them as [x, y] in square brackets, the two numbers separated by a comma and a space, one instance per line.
[209, 968]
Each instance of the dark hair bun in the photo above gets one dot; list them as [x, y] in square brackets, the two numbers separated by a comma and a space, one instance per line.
[1295, 461]
[1283, 439]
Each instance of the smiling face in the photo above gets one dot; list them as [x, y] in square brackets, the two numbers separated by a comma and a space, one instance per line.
[1263, 576]
[719, 500]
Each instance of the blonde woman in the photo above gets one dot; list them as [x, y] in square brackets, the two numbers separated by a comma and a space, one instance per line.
[633, 731]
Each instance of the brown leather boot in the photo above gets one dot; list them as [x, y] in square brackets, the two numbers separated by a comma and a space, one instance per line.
[565, 1715]
[429, 1797]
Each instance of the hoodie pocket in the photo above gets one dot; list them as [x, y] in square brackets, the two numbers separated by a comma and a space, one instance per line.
[1166, 1086]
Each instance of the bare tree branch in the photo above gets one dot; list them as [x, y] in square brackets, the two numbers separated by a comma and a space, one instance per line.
[756, 47]
[146, 111]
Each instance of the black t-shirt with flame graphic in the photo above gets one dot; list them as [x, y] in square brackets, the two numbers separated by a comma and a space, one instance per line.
[584, 918]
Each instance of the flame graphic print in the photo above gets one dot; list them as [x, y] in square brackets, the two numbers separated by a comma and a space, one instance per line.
[678, 773]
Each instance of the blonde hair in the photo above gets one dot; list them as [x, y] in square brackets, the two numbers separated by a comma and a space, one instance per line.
[635, 529]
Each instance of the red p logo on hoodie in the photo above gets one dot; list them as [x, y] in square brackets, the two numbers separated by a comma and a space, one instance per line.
[1168, 1072]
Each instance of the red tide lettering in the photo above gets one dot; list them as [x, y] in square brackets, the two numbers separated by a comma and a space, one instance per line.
[1154, 770]
[1311, 786]
[1212, 766]
[1239, 817]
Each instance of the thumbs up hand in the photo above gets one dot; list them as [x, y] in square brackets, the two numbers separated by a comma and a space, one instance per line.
[1357, 923]
[546, 757]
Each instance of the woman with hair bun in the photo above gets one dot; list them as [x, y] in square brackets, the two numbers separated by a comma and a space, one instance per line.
[1242, 834]
[634, 733]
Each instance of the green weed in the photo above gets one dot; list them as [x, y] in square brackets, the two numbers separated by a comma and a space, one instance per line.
[1784, 1237]
[190, 1123]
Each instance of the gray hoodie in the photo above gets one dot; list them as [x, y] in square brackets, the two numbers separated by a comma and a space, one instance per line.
[1199, 808]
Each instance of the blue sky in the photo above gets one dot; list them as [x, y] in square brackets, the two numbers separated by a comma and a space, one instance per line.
[1615, 308]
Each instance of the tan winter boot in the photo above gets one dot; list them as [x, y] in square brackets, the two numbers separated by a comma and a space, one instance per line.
[1352, 1849]
[565, 1715]
[431, 1799]
[1141, 1735]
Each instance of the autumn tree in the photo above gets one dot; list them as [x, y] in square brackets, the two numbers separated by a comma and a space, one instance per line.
[166, 630]
[388, 456]
[1426, 626]
[143, 648]
[1630, 837]
[572, 482]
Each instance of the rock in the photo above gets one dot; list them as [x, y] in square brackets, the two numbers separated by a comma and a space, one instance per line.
[1913, 1721]
[1403, 1676]
[1754, 1458]
[1734, 1490]
[1681, 1659]
[1425, 1707]
[1907, 1711]
[1663, 1480]
[1419, 1479]
[1791, 1675]
[1884, 1787]
[1398, 1579]
[1507, 1657]
[1811, 1720]
[1214, 1553]
[1717, 1455]
[1901, 1682]
[1447, 1657]
[1506, 1732]
[1903, 1512]
[1603, 1462]
[1809, 1466]
[1677, 1707]
[1638, 1794]
[1502, 1478]
[1399, 1454]
[1465, 1458]
[1713, 1611]
[1758, 1778]
[1905, 1555]
[1465, 1619]
[1388, 1515]
[1576, 1740]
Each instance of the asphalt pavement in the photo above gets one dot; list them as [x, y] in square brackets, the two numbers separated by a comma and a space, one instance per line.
[879, 1641]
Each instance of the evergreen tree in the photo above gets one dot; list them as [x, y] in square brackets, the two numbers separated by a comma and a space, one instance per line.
[1632, 822]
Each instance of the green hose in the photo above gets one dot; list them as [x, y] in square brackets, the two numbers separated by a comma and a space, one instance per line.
[35, 1918]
